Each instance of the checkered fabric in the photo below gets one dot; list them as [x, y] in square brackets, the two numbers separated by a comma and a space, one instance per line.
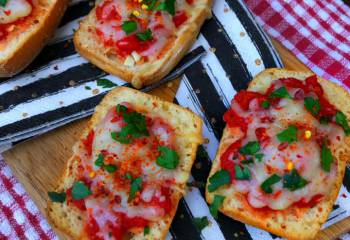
[19, 216]
[316, 31]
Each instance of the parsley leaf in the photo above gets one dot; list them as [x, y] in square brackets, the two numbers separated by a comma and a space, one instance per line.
[312, 105]
[105, 83]
[326, 158]
[80, 191]
[340, 118]
[214, 207]
[288, 135]
[200, 222]
[250, 148]
[259, 156]
[280, 93]
[248, 161]
[110, 168]
[121, 108]
[167, 5]
[266, 185]
[136, 127]
[59, 197]
[242, 174]
[146, 230]
[293, 181]
[220, 178]
[265, 104]
[100, 163]
[3, 3]
[129, 26]
[100, 160]
[128, 176]
[145, 35]
[168, 158]
[135, 187]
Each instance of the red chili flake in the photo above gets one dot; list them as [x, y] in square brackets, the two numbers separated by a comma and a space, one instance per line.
[88, 142]
[180, 18]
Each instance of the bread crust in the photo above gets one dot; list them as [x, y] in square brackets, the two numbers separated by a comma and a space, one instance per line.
[293, 222]
[146, 73]
[29, 45]
[186, 124]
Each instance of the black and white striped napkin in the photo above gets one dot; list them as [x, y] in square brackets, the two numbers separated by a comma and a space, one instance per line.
[60, 86]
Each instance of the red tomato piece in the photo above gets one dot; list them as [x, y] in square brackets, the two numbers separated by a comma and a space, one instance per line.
[88, 141]
[227, 163]
[107, 12]
[234, 120]
[180, 18]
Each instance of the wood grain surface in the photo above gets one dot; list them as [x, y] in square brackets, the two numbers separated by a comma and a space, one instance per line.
[39, 162]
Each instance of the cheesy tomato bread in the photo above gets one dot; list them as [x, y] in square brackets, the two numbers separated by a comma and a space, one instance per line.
[25, 27]
[128, 170]
[140, 40]
[282, 156]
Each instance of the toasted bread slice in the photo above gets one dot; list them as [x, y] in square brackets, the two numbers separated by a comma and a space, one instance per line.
[293, 222]
[187, 128]
[29, 36]
[89, 45]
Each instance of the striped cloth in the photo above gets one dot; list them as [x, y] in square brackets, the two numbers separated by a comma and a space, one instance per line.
[316, 31]
[19, 217]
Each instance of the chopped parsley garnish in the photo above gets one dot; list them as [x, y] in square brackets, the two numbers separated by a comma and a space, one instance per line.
[200, 222]
[220, 178]
[146, 230]
[100, 160]
[293, 181]
[135, 186]
[217, 203]
[288, 135]
[121, 108]
[105, 83]
[168, 158]
[110, 168]
[326, 158]
[248, 161]
[250, 148]
[150, 3]
[3, 3]
[242, 174]
[259, 156]
[312, 105]
[340, 118]
[266, 185]
[128, 176]
[167, 5]
[59, 197]
[145, 35]
[265, 104]
[136, 127]
[129, 26]
[80, 191]
[280, 93]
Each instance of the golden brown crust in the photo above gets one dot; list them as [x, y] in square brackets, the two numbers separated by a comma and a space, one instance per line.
[30, 47]
[294, 222]
[186, 125]
[151, 72]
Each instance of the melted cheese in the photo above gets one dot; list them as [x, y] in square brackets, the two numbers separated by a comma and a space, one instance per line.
[303, 155]
[14, 10]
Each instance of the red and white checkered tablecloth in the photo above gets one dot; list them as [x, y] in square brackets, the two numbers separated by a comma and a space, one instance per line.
[316, 31]
[19, 216]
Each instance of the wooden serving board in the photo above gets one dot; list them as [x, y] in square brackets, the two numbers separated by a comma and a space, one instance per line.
[38, 163]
